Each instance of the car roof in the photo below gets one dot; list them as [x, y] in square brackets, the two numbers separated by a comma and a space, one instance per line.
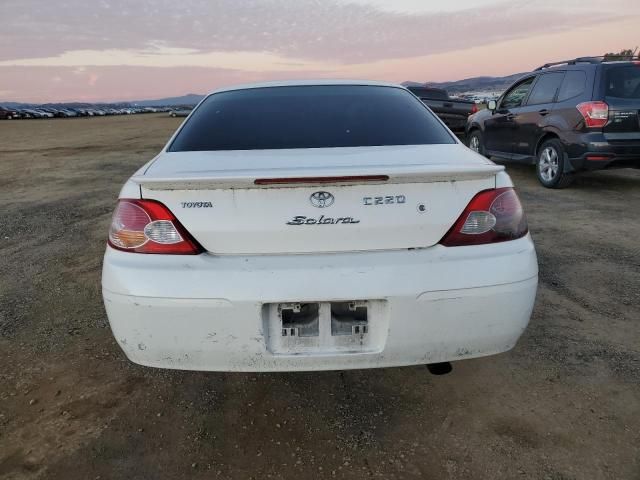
[305, 83]
[579, 66]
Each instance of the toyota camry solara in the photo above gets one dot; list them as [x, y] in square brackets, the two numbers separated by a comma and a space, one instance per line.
[316, 226]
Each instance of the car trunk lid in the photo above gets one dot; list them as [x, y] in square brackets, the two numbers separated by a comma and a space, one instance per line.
[384, 197]
[624, 120]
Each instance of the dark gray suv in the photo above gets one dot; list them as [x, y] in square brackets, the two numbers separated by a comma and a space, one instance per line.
[565, 117]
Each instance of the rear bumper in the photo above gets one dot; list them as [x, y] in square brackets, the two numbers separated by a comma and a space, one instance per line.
[594, 151]
[600, 161]
[213, 313]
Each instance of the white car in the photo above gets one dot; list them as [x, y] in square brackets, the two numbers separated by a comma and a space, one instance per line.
[316, 226]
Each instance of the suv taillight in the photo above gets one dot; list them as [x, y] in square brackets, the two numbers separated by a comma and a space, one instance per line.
[492, 216]
[147, 226]
[595, 114]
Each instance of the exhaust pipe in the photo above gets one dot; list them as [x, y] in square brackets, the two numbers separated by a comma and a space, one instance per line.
[439, 368]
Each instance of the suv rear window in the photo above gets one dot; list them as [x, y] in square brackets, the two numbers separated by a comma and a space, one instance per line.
[309, 117]
[545, 89]
[573, 85]
[623, 82]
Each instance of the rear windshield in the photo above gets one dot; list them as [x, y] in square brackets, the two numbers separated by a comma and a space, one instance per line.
[309, 117]
[623, 82]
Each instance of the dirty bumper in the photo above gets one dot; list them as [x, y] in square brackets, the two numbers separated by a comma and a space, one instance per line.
[319, 312]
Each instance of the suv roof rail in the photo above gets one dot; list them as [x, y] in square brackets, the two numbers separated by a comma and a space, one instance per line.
[598, 59]
[611, 57]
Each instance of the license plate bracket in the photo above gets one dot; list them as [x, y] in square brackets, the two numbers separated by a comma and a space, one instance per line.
[342, 326]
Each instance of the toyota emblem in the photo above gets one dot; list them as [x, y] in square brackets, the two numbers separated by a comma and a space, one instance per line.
[321, 199]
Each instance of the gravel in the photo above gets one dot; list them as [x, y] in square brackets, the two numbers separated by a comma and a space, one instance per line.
[564, 404]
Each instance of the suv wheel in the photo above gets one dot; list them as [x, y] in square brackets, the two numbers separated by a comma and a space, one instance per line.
[550, 165]
[475, 142]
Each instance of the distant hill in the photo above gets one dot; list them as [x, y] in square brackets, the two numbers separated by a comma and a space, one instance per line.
[457, 86]
[471, 84]
[54, 105]
[189, 99]
[14, 104]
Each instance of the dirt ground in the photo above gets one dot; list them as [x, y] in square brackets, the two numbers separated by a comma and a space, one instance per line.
[564, 404]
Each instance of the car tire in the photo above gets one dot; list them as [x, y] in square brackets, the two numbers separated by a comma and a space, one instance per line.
[550, 165]
[475, 142]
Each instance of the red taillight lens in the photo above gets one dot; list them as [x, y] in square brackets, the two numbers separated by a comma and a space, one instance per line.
[474, 109]
[595, 114]
[147, 226]
[491, 216]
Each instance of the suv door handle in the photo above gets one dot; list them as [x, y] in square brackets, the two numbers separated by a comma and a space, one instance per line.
[543, 112]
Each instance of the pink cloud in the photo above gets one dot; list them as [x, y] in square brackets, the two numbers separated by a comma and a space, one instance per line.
[93, 78]
[329, 30]
[336, 39]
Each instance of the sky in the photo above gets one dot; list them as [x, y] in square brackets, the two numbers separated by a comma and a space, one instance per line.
[118, 50]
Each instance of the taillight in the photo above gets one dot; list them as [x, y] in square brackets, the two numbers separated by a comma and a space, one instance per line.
[474, 109]
[147, 226]
[491, 216]
[595, 114]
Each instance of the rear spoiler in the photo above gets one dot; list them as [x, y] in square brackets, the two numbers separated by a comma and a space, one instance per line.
[266, 178]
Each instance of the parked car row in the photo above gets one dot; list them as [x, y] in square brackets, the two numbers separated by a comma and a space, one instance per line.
[68, 112]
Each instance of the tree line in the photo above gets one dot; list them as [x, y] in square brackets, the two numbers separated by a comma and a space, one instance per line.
[627, 54]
